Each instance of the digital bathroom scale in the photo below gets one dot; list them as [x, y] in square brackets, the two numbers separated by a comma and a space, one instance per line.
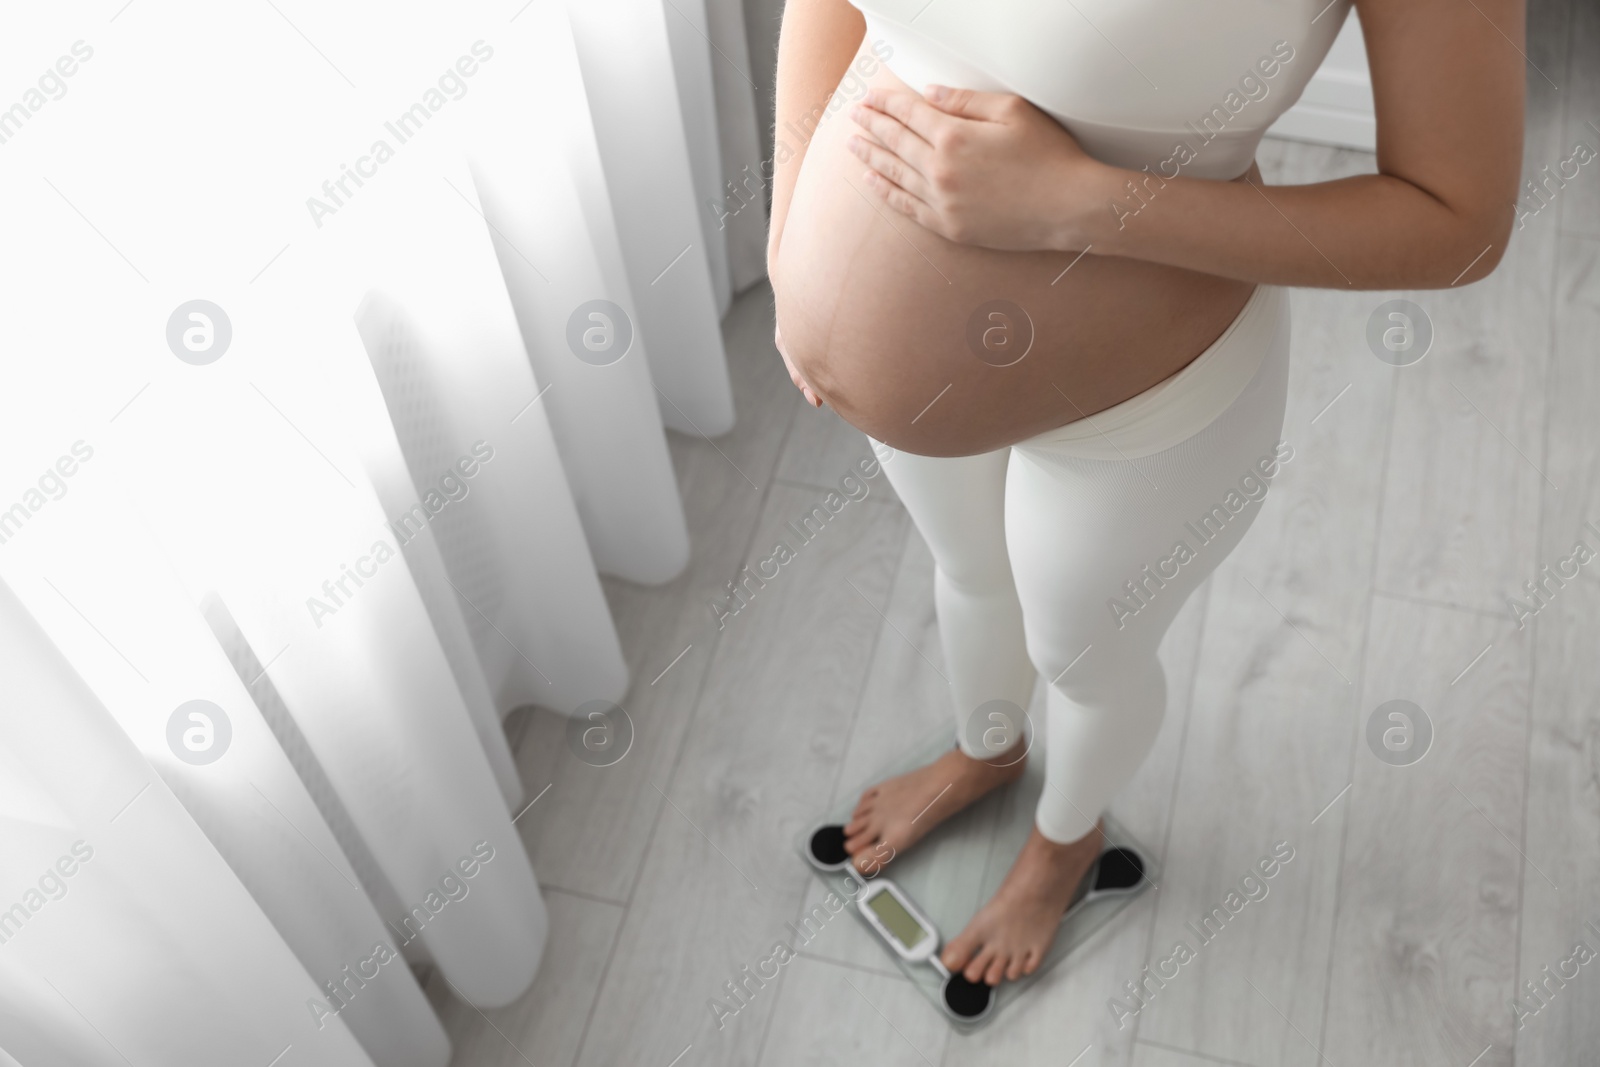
[929, 892]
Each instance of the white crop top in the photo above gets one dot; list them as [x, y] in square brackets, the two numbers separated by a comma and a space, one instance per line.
[1183, 87]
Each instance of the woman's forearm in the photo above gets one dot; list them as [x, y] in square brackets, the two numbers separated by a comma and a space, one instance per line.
[1438, 212]
[1372, 231]
[817, 40]
[990, 169]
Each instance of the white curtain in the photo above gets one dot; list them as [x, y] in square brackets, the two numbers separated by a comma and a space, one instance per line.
[274, 566]
[718, 92]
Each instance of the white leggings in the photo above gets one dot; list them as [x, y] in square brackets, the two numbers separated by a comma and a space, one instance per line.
[1073, 567]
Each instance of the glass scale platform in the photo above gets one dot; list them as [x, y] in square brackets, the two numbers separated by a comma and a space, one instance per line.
[951, 872]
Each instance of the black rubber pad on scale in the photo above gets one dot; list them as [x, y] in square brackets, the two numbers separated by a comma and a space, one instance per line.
[966, 1000]
[827, 846]
[1120, 868]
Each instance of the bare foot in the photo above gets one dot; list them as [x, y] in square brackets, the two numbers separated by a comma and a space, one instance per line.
[1010, 935]
[896, 814]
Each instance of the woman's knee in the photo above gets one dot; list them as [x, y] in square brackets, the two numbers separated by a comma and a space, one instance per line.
[1091, 670]
[977, 575]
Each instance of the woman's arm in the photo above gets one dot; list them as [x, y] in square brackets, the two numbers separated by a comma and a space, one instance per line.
[1448, 86]
[816, 42]
[1448, 83]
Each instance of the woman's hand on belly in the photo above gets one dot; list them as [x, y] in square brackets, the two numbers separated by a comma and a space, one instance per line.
[985, 169]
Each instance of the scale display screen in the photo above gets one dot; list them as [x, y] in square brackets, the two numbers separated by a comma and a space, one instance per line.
[897, 920]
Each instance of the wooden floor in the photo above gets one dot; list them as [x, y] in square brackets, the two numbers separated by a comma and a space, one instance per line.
[1420, 900]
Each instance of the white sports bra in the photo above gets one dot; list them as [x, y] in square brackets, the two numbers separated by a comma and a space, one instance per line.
[1178, 86]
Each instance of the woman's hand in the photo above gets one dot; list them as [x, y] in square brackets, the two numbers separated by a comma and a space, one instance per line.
[794, 375]
[986, 169]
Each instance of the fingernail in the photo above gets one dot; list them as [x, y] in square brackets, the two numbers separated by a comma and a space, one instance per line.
[935, 93]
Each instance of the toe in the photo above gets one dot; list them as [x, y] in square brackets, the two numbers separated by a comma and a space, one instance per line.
[1014, 967]
[958, 952]
[1030, 961]
[866, 800]
[974, 970]
[874, 858]
[856, 840]
[996, 969]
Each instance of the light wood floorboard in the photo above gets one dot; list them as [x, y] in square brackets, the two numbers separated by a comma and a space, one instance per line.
[547, 1023]
[721, 878]
[1147, 1054]
[1424, 950]
[1562, 835]
[829, 1015]
[1562, 839]
[1580, 199]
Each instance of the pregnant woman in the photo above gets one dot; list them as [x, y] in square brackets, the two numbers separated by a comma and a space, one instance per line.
[1023, 245]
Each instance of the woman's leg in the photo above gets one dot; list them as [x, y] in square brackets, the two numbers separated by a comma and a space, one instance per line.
[1105, 553]
[958, 506]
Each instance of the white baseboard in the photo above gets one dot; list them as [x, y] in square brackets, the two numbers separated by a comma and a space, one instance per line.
[1326, 125]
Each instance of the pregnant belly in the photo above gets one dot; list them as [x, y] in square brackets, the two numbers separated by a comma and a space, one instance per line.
[942, 349]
